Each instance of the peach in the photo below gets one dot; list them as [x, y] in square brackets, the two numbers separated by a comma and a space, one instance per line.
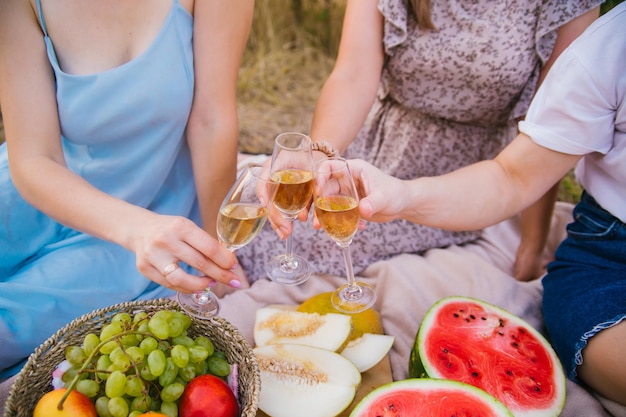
[75, 405]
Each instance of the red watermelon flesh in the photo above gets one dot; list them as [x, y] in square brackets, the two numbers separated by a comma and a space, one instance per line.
[480, 344]
[429, 397]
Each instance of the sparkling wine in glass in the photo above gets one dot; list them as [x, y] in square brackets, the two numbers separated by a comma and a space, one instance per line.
[292, 170]
[241, 217]
[337, 210]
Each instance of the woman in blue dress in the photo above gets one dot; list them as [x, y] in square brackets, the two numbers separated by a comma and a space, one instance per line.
[115, 114]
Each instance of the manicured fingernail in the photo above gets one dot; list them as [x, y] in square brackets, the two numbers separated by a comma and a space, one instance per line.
[235, 283]
[212, 283]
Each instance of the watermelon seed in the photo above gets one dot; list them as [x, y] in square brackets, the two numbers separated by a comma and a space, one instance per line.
[501, 333]
[483, 318]
[509, 373]
[475, 374]
[472, 317]
[445, 350]
[455, 315]
[501, 322]
[515, 345]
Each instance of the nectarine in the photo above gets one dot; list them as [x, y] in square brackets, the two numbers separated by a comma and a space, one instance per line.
[75, 405]
[208, 396]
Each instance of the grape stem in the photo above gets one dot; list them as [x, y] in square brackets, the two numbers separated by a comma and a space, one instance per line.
[91, 356]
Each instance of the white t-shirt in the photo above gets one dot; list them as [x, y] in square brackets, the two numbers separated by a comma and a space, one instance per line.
[580, 109]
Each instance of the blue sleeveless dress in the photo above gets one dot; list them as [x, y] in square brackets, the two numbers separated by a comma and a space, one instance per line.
[123, 130]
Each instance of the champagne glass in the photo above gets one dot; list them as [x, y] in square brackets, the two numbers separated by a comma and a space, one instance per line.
[337, 209]
[292, 170]
[241, 217]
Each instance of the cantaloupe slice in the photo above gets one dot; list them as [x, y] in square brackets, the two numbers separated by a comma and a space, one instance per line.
[305, 381]
[276, 326]
[367, 350]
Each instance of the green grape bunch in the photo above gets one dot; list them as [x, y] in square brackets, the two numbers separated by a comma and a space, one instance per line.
[140, 363]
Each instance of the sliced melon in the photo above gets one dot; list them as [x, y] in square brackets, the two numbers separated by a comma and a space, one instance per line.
[276, 326]
[427, 398]
[367, 350]
[367, 321]
[305, 381]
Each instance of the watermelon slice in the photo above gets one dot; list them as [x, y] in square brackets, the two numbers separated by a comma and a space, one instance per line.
[477, 343]
[429, 397]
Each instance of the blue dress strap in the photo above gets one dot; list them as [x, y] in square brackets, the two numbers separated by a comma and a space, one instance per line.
[41, 20]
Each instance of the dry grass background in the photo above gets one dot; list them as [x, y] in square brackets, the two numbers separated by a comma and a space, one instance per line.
[290, 52]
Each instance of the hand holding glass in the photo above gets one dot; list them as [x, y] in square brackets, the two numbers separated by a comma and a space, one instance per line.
[292, 169]
[337, 210]
[241, 217]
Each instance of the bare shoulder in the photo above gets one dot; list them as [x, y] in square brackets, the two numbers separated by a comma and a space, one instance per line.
[17, 9]
[18, 23]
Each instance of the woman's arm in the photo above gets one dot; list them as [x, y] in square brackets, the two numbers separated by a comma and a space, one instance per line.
[221, 31]
[351, 88]
[536, 219]
[470, 198]
[39, 171]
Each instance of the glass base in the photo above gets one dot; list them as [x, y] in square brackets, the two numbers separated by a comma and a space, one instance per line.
[203, 305]
[288, 270]
[355, 298]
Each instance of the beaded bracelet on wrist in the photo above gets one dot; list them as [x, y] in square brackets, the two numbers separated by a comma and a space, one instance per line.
[325, 148]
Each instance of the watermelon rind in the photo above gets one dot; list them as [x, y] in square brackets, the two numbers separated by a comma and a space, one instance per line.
[405, 397]
[421, 367]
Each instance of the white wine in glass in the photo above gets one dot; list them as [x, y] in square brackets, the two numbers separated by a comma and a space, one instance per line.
[337, 210]
[292, 170]
[241, 217]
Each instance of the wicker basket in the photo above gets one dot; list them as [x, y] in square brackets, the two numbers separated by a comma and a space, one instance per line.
[35, 378]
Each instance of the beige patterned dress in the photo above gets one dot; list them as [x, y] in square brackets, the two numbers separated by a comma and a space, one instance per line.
[448, 98]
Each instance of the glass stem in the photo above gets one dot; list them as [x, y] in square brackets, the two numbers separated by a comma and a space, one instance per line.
[353, 291]
[289, 242]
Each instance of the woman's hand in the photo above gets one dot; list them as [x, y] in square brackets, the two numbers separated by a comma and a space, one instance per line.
[168, 240]
[382, 197]
[529, 264]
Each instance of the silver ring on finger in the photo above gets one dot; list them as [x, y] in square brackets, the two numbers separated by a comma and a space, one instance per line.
[169, 268]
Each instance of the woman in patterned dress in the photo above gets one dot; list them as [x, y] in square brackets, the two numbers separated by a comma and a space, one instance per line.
[421, 88]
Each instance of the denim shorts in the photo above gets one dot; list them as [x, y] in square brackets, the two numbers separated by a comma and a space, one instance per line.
[585, 288]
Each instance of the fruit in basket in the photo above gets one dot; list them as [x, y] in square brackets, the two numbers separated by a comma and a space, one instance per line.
[305, 381]
[208, 396]
[140, 362]
[75, 405]
[275, 325]
[429, 397]
[471, 341]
